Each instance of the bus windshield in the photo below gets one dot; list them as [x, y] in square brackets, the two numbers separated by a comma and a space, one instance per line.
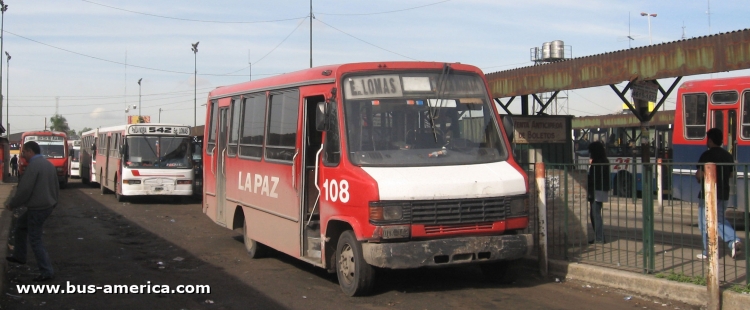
[420, 119]
[158, 152]
[49, 146]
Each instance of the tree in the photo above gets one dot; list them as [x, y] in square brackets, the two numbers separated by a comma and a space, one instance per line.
[58, 123]
[85, 129]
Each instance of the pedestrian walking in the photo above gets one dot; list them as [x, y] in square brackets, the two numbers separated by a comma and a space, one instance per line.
[14, 166]
[717, 154]
[598, 188]
[38, 191]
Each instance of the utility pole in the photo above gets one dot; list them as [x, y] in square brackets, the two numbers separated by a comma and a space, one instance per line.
[311, 18]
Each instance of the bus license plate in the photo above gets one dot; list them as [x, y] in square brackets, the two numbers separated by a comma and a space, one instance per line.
[158, 188]
[395, 232]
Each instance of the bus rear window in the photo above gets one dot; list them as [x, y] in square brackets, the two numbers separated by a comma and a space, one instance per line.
[695, 115]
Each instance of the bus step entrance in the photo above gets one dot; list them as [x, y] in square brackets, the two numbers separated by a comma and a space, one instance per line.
[312, 234]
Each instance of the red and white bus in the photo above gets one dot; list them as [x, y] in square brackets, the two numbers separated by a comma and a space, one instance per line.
[356, 166]
[54, 147]
[145, 160]
[87, 162]
[701, 105]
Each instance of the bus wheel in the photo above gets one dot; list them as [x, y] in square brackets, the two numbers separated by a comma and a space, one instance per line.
[623, 184]
[502, 272]
[118, 196]
[356, 276]
[103, 189]
[254, 248]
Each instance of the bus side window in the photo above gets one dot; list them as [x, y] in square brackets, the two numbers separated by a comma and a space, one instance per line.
[212, 127]
[746, 116]
[332, 154]
[234, 127]
[695, 116]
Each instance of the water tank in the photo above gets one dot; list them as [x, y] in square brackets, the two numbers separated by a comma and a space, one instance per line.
[546, 53]
[557, 50]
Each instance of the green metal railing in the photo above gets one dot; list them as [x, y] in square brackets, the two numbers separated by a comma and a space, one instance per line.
[640, 235]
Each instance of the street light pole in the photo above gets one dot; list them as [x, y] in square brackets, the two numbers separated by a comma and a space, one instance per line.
[3, 8]
[139, 99]
[195, 85]
[648, 16]
[7, 93]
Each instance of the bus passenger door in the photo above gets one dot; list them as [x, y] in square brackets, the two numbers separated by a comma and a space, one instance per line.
[221, 154]
[311, 144]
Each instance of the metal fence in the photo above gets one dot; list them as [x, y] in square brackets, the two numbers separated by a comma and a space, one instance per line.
[642, 232]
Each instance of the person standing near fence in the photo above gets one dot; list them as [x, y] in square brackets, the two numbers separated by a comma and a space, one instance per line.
[717, 154]
[38, 191]
[598, 188]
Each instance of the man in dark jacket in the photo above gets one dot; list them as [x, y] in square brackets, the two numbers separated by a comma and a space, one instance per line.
[38, 191]
[717, 154]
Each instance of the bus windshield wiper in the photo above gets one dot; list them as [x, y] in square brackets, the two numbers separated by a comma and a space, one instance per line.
[439, 92]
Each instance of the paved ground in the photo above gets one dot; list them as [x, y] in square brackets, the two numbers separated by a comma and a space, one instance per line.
[93, 240]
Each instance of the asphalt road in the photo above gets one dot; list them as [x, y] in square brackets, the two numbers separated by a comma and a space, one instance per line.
[93, 240]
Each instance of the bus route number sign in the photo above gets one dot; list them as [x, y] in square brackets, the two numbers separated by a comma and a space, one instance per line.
[155, 130]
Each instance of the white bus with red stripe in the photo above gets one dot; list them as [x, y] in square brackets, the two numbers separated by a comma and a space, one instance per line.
[357, 167]
[145, 160]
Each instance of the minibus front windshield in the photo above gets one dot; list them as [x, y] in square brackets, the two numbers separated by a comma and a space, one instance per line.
[420, 119]
[158, 152]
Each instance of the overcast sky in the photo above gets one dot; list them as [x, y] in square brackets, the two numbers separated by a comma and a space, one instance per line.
[74, 51]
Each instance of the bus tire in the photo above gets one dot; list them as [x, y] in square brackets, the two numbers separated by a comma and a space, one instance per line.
[118, 196]
[501, 272]
[103, 189]
[623, 182]
[356, 277]
[254, 248]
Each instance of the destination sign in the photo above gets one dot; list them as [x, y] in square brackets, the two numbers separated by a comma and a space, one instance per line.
[44, 138]
[373, 86]
[159, 130]
[644, 90]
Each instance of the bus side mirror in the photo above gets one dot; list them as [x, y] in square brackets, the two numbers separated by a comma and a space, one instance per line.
[321, 116]
[509, 127]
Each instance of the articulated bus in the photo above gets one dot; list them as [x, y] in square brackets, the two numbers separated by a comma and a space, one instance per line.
[145, 160]
[621, 136]
[87, 157]
[356, 166]
[54, 147]
[701, 105]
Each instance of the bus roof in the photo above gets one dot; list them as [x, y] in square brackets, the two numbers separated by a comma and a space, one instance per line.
[328, 74]
[43, 133]
[734, 81]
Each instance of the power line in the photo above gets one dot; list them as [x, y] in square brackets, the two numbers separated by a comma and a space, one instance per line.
[384, 12]
[124, 64]
[277, 45]
[193, 20]
[358, 39]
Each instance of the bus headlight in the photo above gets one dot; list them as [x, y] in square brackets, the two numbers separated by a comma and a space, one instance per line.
[379, 213]
[519, 207]
[131, 182]
[184, 182]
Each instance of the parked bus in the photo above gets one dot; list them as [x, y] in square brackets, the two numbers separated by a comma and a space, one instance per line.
[74, 147]
[53, 146]
[621, 136]
[88, 156]
[356, 166]
[145, 160]
[711, 103]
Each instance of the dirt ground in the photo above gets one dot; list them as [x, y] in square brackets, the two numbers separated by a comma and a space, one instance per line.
[93, 240]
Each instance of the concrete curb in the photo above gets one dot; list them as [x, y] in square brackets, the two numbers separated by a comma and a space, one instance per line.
[645, 285]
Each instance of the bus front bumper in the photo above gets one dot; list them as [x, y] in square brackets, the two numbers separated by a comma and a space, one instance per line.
[451, 251]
